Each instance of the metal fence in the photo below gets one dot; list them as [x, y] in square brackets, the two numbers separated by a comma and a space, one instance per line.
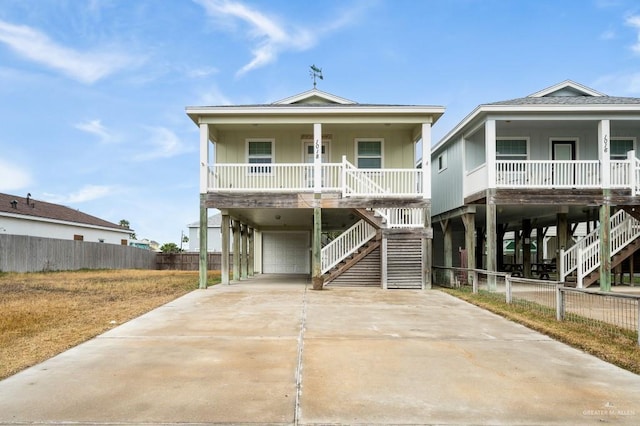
[615, 312]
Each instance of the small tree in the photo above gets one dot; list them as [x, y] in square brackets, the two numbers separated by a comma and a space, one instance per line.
[170, 248]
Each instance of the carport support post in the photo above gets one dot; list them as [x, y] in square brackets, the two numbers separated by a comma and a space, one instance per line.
[526, 247]
[316, 260]
[224, 262]
[469, 221]
[448, 249]
[491, 241]
[250, 253]
[204, 225]
[236, 250]
[244, 266]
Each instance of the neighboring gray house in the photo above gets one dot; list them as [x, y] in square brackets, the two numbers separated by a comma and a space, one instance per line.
[214, 235]
[559, 157]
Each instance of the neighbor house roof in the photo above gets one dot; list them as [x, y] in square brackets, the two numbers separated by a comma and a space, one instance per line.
[214, 221]
[12, 205]
[567, 96]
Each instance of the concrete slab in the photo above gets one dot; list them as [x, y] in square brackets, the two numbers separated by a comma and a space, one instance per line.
[272, 351]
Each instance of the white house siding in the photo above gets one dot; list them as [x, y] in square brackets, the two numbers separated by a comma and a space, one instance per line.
[446, 185]
[39, 227]
[214, 239]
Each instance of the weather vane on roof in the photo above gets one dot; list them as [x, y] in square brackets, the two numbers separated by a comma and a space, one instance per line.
[315, 73]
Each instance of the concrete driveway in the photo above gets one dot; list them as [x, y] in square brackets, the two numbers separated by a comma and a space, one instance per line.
[273, 351]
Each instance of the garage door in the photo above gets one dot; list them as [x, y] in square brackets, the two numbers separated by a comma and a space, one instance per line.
[285, 253]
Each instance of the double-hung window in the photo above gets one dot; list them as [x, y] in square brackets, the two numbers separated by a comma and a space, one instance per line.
[511, 149]
[369, 153]
[260, 152]
[620, 147]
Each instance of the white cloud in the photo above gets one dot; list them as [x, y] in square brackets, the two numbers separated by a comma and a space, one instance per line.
[163, 144]
[87, 67]
[619, 84]
[86, 193]
[213, 96]
[634, 21]
[95, 127]
[201, 72]
[13, 177]
[270, 36]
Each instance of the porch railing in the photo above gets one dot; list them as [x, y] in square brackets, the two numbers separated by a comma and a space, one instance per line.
[336, 177]
[404, 217]
[547, 174]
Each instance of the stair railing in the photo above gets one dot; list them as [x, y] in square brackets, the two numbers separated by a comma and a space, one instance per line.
[623, 233]
[569, 257]
[345, 244]
[355, 181]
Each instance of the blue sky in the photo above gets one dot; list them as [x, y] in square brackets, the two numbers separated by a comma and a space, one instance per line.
[93, 92]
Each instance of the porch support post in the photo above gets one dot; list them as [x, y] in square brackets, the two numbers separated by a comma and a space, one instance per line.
[517, 243]
[317, 158]
[469, 221]
[605, 248]
[224, 262]
[540, 244]
[492, 219]
[448, 247]
[501, 229]
[244, 265]
[204, 221]
[480, 243]
[526, 247]
[631, 158]
[604, 152]
[316, 260]
[426, 160]
[236, 250]
[204, 228]
[250, 254]
[562, 231]
[490, 153]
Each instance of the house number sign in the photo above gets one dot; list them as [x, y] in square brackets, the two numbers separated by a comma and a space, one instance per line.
[605, 144]
[317, 149]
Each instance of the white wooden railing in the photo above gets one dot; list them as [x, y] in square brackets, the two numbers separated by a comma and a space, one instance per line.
[404, 217]
[336, 177]
[584, 256]
[272, 177]
[380, 182]
[345, 244]
[547, 174]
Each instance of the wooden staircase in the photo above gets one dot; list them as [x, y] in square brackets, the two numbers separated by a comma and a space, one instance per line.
[616, 260]
[360, 269]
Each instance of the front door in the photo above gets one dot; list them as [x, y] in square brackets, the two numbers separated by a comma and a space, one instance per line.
[565, 151]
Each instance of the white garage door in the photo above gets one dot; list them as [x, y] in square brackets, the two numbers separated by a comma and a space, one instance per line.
[285, 253]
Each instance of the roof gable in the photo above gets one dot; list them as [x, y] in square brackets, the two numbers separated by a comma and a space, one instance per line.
[566, 88]
[314, 96]
[14, 205]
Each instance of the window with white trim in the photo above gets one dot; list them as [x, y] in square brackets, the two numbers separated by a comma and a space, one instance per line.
[260, 152]
[511, 149]
[369, 153]
[620, 147]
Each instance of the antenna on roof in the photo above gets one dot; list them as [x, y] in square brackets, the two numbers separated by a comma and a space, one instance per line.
[315, 72]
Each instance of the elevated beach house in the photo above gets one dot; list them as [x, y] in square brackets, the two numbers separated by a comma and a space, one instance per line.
[319, 185]
[560, 157]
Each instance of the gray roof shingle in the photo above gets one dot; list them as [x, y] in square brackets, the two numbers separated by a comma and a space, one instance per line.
[42, 209]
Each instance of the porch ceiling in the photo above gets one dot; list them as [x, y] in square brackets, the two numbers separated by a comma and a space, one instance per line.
[540, 215]
[294, 219]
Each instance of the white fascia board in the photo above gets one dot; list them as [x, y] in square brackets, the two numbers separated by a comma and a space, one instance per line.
[567, 83]
[63, 222]
[311, 93]
[518, 111]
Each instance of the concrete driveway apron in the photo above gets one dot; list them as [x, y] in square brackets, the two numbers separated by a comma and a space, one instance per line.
[272, 351]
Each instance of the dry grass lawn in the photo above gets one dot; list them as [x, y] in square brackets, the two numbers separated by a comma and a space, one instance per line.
[43, 314]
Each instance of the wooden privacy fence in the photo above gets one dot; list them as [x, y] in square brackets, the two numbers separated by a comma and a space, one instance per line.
[21, 253]
[189, 261]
